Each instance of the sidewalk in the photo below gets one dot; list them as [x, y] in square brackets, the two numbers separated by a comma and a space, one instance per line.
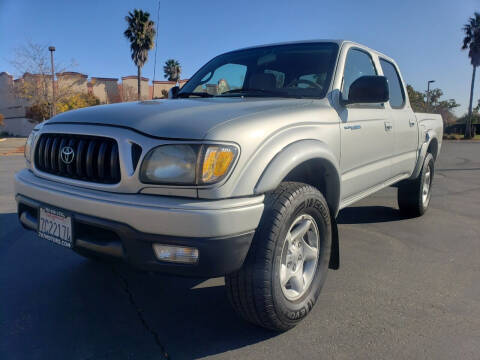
[12, 146]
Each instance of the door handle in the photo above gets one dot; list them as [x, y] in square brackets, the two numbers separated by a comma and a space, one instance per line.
[411, 123]
[388, 126]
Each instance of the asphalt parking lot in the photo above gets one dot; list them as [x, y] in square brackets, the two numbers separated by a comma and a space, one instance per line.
[406, 289]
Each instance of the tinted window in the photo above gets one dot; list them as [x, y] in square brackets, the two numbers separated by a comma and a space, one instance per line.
[358, 64]
[292, 70]
[226, 77]
[308, 79]
[279, 77]
[397, 97]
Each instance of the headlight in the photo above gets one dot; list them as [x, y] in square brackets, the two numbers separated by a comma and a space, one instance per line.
[29, 145]
[31, 140]
[171, 164]
[187, 164]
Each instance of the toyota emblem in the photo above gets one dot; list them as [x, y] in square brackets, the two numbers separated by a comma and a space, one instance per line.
[67, 154]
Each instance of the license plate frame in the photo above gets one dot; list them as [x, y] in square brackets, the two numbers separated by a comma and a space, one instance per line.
[55, 225]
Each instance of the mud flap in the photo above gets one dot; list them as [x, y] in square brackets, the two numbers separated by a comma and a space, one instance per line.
[335, 252]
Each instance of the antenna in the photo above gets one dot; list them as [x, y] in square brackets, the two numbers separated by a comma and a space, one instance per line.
[156, 47]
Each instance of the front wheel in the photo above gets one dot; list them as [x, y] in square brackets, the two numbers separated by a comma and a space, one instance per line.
[287, 263]
[414, 195]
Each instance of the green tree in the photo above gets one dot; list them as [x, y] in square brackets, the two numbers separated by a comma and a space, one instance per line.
[476, 109]
[417, 99]
[437, 105]
[172, 70]
[141, 33]
[471, 41]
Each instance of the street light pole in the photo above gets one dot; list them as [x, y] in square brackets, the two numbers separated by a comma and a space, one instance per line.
[428, 93]
[52, 49]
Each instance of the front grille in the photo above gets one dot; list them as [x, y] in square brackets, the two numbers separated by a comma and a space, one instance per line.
[94, 158]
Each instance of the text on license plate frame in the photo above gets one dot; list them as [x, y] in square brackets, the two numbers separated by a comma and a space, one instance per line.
[55, 225]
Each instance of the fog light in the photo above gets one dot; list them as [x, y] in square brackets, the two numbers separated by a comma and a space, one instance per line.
[177, 254]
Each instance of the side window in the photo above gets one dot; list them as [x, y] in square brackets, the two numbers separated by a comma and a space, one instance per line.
[358, 64]
[397, 96]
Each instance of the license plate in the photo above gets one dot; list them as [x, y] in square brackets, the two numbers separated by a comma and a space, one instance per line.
[56, 226]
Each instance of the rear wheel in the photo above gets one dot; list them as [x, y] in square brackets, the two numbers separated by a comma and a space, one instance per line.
[287, 263]
[414, 195]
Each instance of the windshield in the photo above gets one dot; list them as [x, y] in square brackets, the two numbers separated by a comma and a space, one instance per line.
[293, 70]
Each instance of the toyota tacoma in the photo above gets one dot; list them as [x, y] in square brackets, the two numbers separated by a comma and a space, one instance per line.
[241, 173]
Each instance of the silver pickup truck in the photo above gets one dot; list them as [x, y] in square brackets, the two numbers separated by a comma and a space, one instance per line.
[241, 173]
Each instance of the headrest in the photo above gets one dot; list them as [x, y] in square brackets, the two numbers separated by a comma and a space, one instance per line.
[262, 81]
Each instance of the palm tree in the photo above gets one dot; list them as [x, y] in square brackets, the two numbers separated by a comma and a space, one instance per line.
[471, 41]
[140, 32]
[172, 70]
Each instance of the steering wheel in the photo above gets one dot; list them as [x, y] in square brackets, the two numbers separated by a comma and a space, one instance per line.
[305, 81]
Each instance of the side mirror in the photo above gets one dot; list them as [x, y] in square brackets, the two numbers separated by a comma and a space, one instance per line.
[173, 92]
[368, 90]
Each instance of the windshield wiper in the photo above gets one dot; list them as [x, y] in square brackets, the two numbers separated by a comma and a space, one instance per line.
[256, 92]
[188, 94]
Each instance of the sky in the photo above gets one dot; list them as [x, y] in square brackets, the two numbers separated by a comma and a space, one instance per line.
[424, 37]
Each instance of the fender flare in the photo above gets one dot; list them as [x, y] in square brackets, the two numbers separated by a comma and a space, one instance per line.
[429, 136]
[296, 154]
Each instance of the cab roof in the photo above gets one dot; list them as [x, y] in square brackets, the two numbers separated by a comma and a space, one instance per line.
[340, 43]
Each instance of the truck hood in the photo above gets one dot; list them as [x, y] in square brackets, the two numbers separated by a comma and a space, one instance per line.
[179, 118]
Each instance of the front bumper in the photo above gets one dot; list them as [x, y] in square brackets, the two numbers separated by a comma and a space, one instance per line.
[126, 225]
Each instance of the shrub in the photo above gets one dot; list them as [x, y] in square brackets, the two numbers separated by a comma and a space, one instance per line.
[38, 112]
[77, 101]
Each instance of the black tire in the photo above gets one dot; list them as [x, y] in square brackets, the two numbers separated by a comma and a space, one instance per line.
[255, 291]
[410, 193]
